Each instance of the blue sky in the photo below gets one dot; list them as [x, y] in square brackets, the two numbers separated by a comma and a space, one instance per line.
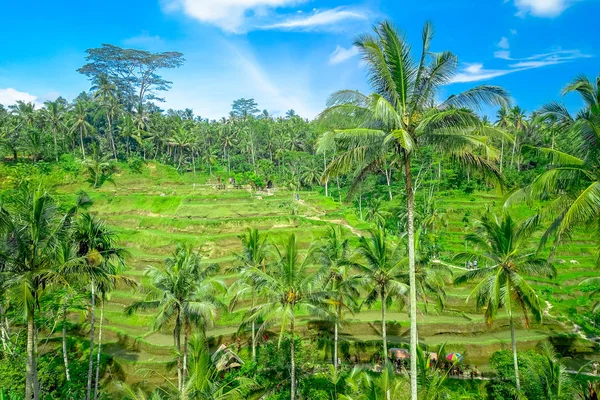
[294, 53]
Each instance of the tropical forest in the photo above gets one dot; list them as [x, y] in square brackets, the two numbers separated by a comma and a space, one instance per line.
[410, 241]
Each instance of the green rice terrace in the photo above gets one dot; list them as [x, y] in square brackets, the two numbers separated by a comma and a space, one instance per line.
[153, 212]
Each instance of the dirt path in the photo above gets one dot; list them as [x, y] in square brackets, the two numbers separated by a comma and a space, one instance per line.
[329, 221]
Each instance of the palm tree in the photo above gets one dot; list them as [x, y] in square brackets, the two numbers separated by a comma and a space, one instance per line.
[253, 256]
[183, 291]
[54, 114]
[98, 244]
[503, 121]
[81, 124]
[503, 243]
[33, 228]
[288, 287]
[402, 115]
[106, 93]
[341, 284]
[573, 179]
[381, 269]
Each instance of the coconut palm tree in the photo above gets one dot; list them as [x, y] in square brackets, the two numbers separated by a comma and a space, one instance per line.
[573, 180]
[80, 123]
[288, 287]
[106, 93]
[183, 291]
[98, 244]
[403, 115]
[54, 114]
[381, 268]
[253, 256]
[503, 244]
[341, 283]
[33, 227]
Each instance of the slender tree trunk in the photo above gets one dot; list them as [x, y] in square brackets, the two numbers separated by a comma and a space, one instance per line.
[81, 141]
[55, 144]
[514, 350]
[502, 156]
[384, 325]
[31, 384]
[336, 338]
[110, 135]
[338, 188]
[410, 200]
[64, 344]
[186, 330]
[512, 338]
[253, 331]
[388, 180]
[178, 349]
[293, 361]
[193, 163]
[99, 350]
[326, 179]
[92, 334]
[4, 335]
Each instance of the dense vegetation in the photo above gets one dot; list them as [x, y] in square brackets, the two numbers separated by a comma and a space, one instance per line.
[387, 161]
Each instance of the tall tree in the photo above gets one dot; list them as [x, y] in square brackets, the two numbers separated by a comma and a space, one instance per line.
[573, 180]
[54, 114]
[134, 72]
[183, 291]
[288, 287]
[381, 269]
[504, 244]
[80, 123]
[106, 93]
[33, 227]
[342, 284]
[403, 112]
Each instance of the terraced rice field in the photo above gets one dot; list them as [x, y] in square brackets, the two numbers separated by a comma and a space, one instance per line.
[154, 211]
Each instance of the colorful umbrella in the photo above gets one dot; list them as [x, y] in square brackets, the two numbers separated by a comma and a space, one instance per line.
[454, 357]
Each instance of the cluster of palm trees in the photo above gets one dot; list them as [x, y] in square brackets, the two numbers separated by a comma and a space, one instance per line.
[96, 124]
[57, 251]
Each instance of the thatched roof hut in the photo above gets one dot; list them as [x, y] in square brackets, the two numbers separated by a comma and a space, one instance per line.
[224, 359]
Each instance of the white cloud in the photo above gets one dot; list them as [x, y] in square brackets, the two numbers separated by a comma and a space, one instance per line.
[503, 43]
[10, 96]
[476, 72]
[229, 15]
[513, 31]
[502, 54]
[145, 41]
[542, 8]
[318, 19]
[341, 54]
[239, 16]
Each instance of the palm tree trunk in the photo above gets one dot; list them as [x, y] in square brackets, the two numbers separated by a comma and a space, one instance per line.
[3, 330]
[360, 205]
[514, 350]
[253, 331]
[338, 187]
[186, 329]
[178, 349]
[31, 384]
[501, 155]
[110, 135]
[54, 134]
[384, 324]
[388, 179]
[293, 362]
[92, 327]
[64, 344]
[99, 350]
[336, 339]
[81, 142]
[326, 179]
[410, 203]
